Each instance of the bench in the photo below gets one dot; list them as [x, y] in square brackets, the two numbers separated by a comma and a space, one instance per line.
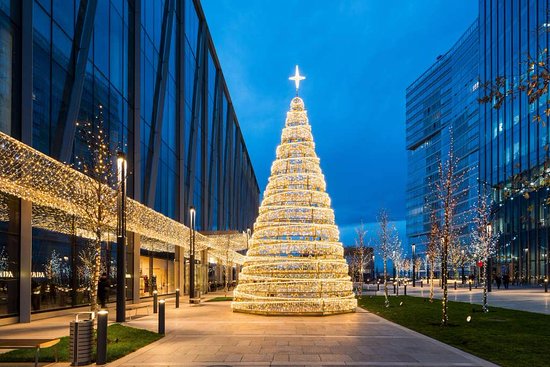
[35, 344]
[136, 307]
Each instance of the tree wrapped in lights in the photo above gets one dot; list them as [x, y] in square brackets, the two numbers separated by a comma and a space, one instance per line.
[447, 186]
[295, 262]
[360, 257]
[98, 197]
[388, 245]
[484, 241]
[432, 250]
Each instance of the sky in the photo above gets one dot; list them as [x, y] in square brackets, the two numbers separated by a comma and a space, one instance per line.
[358, 57]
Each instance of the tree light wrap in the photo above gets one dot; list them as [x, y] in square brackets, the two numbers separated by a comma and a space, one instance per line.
[295, 263]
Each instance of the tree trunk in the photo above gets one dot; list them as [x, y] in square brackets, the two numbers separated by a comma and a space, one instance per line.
[386, 300]
[445, 316]
[483, 271]
[432, 282]
[95, 274]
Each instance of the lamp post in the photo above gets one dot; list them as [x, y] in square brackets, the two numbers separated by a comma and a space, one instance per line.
[428, 268]
[121, 239]
[394, 267]
[414, 264]
[463, 261]
[373, 275]
[191, 254]
[488, 264]
[526, 265]
[247, 233]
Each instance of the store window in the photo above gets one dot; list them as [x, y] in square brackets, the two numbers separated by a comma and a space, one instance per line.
[9, 255]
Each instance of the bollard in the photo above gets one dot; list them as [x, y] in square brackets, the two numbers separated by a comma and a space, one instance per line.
[405, 291]
[161, 316]
[393, 288]
[155, 301]
[102, 318]
[398, 289]
[470, 285]
[545, 285]
[378, 286]
[421, 284]
[455, 285]
[177, 298]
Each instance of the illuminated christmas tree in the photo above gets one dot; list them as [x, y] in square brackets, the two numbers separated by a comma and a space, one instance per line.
[295, 263]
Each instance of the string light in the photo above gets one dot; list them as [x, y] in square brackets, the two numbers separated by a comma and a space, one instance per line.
[295, 263]
[57, 192]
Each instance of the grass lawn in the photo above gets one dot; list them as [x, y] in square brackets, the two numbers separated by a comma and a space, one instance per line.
[121, 340]
[502, 336]
[220, 299]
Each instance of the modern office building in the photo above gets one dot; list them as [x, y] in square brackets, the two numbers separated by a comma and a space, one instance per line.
[514, 146]
[148, 69]
[442, 103]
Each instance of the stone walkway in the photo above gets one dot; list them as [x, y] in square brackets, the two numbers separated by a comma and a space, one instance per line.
[532, 299]
[210, 334]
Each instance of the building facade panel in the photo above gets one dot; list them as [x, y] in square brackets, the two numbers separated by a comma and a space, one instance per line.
[512, 143]
[148, 70]
[442, 105]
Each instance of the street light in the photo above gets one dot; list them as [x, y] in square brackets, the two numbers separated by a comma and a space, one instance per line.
[428, 268]
[247, 238]
[394, 267]
[373, 274]
[191, 254]
[527, 265]
[488, 265]
[414, 264]
[121, 239]
[463, 261]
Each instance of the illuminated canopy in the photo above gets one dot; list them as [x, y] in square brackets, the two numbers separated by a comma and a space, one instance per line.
[57, 206]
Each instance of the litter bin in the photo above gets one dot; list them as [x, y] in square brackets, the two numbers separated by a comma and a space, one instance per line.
[81, 339]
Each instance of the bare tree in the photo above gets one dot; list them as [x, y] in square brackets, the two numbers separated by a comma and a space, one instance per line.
[447, 189]
[98, 196]
[417, 265]
[432, 251]
[388, 242]
[228, 266]
[360, 255]
[484, 240]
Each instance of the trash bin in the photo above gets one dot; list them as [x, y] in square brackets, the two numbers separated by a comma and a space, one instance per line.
[81, 339]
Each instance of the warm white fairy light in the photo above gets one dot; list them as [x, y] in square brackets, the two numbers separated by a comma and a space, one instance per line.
[295, 262]
[57, 192]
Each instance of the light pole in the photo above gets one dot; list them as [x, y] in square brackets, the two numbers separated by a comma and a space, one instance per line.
[394, 267]
[373, 275]
[247, 238]
[121, 239]
[463, 261]
[428, 268]
[191, 254]
[488, 264]
[414, 264]
[527, 265]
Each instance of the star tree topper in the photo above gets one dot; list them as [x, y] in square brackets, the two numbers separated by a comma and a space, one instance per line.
[297, 78]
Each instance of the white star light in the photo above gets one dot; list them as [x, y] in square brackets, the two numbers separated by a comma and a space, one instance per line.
[297, 78]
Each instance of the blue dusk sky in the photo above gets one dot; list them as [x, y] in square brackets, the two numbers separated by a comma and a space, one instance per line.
[358, 57]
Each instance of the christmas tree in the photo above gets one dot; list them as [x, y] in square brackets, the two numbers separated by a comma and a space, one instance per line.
[295, 263]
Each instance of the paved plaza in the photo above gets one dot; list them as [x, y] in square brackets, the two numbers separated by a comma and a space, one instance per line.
[210, 334]
[532, 299]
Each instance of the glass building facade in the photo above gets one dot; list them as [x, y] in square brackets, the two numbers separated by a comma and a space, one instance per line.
[149, 70]
[512, 143]
[442, 103]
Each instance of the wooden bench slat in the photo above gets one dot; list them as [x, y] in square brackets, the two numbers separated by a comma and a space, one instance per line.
[27, 343]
